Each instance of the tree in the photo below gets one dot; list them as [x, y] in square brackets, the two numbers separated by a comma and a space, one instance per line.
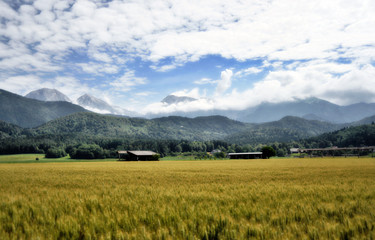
[268, 151]
[88, 151]
[55, 152]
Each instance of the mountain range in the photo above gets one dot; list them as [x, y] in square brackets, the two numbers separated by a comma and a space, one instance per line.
[25, 116]
[310, 108]
[27, 112]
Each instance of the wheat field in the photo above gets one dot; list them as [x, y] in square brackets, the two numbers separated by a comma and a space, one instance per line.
[323, 198]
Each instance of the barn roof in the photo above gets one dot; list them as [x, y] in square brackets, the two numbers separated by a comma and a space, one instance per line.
[142, 153]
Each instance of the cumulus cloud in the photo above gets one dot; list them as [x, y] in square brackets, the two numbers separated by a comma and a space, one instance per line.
[225, 82]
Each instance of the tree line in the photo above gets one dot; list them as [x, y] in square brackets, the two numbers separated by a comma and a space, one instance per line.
[90, 146]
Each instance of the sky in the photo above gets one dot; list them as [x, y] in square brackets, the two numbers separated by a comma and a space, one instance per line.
[226, 54]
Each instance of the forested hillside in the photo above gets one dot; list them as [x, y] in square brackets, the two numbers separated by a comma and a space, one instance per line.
[357, 136]
[9, 130]
[92, 124]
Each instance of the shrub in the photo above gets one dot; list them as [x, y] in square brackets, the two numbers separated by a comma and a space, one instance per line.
[55, 152]
[87, 151]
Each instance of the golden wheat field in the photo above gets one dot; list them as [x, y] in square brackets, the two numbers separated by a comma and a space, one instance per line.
[320, 198]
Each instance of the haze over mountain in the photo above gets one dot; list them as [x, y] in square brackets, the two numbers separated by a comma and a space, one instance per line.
[47, 94]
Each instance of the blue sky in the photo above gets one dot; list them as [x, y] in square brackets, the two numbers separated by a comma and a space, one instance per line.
[226, 54]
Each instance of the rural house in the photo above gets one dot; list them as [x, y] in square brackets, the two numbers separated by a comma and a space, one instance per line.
[138, 155]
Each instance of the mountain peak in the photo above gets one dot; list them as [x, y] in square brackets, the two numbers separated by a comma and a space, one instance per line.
[173, 99]
[48, 95]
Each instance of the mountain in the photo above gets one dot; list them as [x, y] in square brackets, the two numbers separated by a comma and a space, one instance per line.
[27, 112]
[95, 104]
[47, 94]
[172, 99]
[287, 129]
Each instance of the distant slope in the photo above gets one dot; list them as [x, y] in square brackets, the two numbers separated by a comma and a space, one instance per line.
[287, 129]
[48, 95]
[26, 112]
[202, 128]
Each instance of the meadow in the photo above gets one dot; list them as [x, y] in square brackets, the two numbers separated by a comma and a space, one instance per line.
[318, 198]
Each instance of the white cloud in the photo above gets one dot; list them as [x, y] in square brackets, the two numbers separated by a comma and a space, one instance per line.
[338, 83]
[187, 30]
[193, 93]
[204, 81]
[248, 71]
[97, 68]
[127, 82]
[225, 82]
[145, 94]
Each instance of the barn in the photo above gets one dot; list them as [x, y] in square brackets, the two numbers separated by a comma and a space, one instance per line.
[138, 155]
[246, 155]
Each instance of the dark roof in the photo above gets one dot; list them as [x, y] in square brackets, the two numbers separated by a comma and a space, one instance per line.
[246, 153]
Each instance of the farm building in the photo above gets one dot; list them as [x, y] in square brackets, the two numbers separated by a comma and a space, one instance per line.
[294, 150]
[138, 155]
[247, 155]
